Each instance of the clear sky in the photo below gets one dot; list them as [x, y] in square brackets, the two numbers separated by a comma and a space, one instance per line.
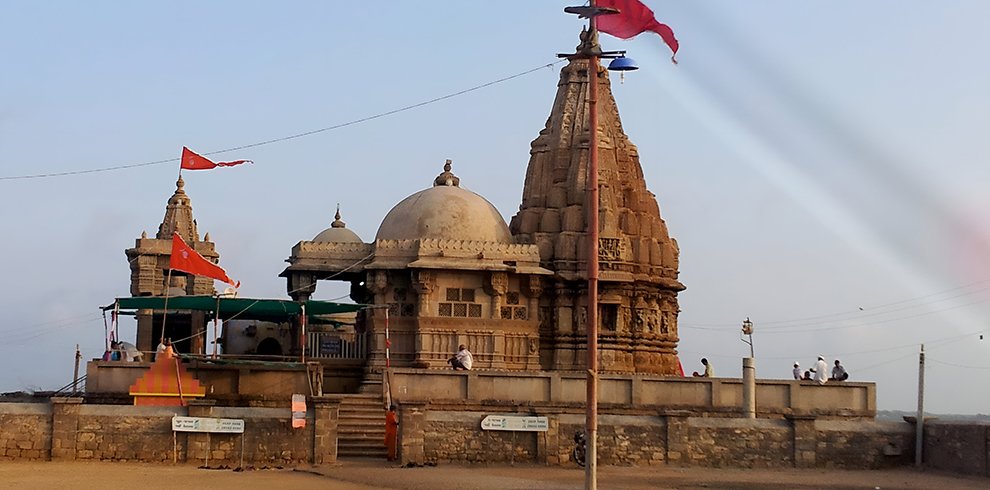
[823, 165]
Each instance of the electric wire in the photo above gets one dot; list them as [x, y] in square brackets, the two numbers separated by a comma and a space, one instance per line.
[289, 137]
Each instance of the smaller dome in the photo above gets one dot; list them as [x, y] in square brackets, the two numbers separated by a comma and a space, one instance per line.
[337, 232]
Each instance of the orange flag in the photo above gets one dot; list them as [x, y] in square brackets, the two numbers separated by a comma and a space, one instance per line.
[194, 161]
[185, 259]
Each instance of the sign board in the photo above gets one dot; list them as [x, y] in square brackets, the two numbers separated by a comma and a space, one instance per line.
[330, 346]
[207, 424]
[515, 422]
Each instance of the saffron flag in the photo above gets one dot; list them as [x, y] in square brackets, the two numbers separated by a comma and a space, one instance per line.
[194, 161]
[633, 19]
[185, 259]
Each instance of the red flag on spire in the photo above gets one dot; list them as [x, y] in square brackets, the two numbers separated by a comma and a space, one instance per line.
[185, 259]
[633, 19]
[193, 161]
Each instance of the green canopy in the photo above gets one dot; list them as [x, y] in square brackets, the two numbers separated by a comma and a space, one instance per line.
[242, 308]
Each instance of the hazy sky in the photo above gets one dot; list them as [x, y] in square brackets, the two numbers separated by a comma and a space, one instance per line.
[823, 165]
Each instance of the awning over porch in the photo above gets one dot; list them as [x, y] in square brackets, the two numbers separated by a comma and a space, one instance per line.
[278, 310]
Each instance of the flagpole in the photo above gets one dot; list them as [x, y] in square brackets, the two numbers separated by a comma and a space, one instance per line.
[591, 422]
[168, 282]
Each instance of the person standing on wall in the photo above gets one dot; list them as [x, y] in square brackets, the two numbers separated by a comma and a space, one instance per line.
[797, 370]
[820, 367]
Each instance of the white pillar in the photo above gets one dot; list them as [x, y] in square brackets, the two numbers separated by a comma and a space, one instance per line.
[749, 387]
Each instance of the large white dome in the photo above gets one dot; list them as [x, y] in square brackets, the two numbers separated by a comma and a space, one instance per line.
[445, 211]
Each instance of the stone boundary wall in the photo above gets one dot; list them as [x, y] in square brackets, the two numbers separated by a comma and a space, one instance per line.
[445, 433]
[67, 429]
[777, 398]
[957, 447]
[25, 430]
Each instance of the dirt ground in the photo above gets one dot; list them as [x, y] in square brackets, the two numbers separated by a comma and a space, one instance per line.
[368, 474]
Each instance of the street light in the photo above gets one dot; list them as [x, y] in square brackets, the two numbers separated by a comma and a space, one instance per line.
[747, 329]
[592, 51]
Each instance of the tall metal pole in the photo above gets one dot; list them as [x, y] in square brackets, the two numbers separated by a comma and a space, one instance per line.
[919, 426]
[591, 422]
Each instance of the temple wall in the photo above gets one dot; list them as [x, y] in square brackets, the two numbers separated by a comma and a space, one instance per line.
[67, 429]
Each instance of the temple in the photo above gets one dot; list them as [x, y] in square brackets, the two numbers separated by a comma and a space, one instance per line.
[450, 270]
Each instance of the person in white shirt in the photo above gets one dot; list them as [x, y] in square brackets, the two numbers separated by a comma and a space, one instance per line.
[462, 360]
[820, 368]
[797, 370]
[129, 352]
[839, 373]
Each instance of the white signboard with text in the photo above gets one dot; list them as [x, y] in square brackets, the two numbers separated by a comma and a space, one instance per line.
[207, 424]
[515, 422]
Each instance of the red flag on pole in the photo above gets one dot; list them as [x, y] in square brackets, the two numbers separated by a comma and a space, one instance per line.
[185, 259]
[193, 161]
[633, 19]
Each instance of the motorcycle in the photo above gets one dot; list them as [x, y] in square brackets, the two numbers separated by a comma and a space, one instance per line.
[580, 449]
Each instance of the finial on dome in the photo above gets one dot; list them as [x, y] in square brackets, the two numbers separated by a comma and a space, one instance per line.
[179, 184]
[337, 223]
[447, 178]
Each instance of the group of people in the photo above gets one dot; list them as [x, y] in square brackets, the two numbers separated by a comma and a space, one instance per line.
[818, 373]
[128, 352]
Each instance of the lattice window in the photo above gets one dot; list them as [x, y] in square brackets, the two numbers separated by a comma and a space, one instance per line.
[506, 313]
[408, 309]
[474, 310]
[399, 294]
[512, 298]
[519, 313]
[446, 309]
[460, 303]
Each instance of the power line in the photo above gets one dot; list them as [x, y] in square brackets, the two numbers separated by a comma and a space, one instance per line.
[806, 321]
[290, 137]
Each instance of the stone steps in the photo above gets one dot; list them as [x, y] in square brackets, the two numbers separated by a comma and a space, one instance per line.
[361, 426]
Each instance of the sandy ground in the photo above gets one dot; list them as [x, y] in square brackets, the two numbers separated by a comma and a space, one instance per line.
[369, 474]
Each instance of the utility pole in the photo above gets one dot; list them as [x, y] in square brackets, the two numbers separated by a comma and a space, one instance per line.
[919, 426]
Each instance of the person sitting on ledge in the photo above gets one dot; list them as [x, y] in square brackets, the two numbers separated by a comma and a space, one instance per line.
[709, 371]
[462, 360]
[839, 373]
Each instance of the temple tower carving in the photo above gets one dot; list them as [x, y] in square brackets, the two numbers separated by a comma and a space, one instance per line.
[638, 282]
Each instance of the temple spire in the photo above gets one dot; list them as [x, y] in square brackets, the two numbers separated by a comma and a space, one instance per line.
[178, 216]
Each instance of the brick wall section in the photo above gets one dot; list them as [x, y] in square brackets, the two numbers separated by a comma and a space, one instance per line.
[25, 431]
[745, 443]
[859, 444]
[123, 433]
[957, 447]
[457, 437]
[70, 430]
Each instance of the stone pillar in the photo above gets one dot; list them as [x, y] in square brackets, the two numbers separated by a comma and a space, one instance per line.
[198, 443]
[678, 438]
[749, 387]
[548, 447]
[412, 427]
[805, 440]
[65, 426]
[326, 411]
